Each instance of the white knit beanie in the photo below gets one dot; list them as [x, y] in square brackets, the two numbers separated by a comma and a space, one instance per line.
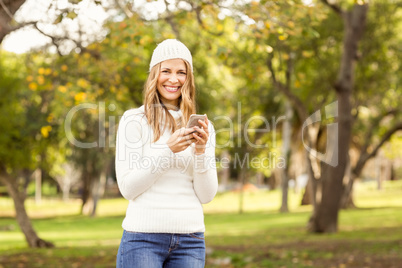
[170, 49]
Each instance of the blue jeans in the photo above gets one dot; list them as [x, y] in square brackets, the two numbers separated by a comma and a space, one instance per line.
[161, 250]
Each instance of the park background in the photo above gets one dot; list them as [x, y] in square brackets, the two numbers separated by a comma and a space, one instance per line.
[312, 84]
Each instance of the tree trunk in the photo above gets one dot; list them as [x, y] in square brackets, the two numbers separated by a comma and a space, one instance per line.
[38, 174]
[347, 195]
[306, 200]
[287, 131]
[7, 11]
[21, 214]
[242, 180]
[88, 201]
[99, 187]
[90, 179]
[325, 218]
[224, 175]
[87, 188]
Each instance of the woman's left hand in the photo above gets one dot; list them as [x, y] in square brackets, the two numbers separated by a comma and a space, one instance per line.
[201, 135]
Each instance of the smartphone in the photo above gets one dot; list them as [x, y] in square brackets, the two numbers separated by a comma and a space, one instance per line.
[193, 121]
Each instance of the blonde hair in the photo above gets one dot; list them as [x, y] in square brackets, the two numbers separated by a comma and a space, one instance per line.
[155, 109]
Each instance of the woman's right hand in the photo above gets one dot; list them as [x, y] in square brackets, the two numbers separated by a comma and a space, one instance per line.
[181, 139]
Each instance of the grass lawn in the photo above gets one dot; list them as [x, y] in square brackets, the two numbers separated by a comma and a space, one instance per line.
[370, 236]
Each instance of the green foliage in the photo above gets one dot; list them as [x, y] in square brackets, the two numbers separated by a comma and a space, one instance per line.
[378, 88]
[18, 138]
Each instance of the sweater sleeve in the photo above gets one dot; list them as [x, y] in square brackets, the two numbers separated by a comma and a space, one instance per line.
[135, 172]
[205, 175]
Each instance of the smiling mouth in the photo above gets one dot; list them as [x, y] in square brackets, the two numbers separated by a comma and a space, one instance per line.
[171, 89]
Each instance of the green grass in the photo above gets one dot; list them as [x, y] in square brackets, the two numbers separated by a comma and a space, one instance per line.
[370, 236]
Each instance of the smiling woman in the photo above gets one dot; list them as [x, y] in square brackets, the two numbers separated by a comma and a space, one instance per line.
[166, 171]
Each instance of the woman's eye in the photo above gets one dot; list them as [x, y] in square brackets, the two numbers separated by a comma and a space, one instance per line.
[183, 73]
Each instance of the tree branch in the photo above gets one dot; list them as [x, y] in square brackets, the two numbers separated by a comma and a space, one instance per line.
[169, 20]
[57, 40]
[334, 7]
[372, 127]
[366, 156]
[297, 103]
[197, 10]
[126, 11]
[6, 10]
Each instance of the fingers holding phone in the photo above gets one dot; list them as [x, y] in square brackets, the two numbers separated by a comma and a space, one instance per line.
[195, 132]
[181, 139]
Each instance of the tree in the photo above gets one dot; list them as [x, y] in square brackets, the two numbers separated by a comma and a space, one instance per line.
[325, 214]
[330, 175]
[21, 133]
[19, 143]
[377, 115]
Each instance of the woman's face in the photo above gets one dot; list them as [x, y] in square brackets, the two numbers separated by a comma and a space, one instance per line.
[171, 78]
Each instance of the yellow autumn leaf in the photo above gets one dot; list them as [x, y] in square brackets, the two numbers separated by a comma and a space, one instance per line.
[64, 68]
[267, 25]
[29, 78]
[41, 70]
[82, 83]
[80, 96]
[33, 86]
[291, 24]
[41, 80]
[45, 131]
[48, 71]
[50, 118]
[62, 89]
[282, 37]
[307, 54]
[297, 84]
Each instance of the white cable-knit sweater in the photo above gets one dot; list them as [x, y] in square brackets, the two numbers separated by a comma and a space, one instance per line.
[165, 190]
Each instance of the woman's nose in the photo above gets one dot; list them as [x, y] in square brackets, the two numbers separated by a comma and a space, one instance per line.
[173, 79]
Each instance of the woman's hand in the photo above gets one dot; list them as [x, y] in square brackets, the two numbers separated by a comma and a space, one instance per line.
[181, 139]
[201, 135]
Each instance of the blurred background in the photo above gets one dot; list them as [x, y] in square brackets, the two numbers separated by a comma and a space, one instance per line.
[305, 97]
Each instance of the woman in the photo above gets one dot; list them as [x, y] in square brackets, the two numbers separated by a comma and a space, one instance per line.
[165, 170]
